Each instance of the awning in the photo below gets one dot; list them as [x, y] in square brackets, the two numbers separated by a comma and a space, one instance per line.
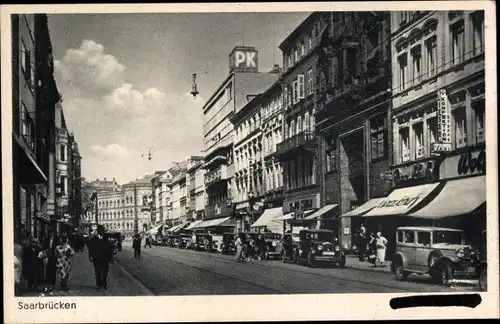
[215, 222]
[458, 197]
[181, 227]
[366, 207]
[193, 225]
[400, 201]
[321, 211]
[154, 230]
[268, 216]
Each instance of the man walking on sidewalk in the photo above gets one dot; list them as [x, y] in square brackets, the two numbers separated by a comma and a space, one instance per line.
[136, 245]
[101, 255]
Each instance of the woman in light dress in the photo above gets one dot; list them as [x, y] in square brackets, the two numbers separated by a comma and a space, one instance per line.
[64, 253]
[381, 245]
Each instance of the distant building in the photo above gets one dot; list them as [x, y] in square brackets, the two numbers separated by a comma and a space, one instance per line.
[229, 97]
[104, 185]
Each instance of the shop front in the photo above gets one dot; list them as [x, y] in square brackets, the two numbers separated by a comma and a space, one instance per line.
[270, 220]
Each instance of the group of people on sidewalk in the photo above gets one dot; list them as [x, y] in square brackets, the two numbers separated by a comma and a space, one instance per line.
[249, 249]
[37, 264]
[371, 246]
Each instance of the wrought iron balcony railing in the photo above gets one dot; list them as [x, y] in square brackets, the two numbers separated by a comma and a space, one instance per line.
[294, 142]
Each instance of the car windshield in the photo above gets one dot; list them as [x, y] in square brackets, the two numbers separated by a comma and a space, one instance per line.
[272, 236]
[447, 237]
[322, 236]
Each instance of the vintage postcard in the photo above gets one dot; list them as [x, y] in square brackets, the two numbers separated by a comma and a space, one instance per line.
[263, 161]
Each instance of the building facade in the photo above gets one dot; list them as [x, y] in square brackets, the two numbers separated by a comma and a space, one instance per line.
[34, 95]
[243, 79]
[178, 198]
[156, 193]
[353, 113]
[138, 201]
[298, 150]
[76, 189]
[196, 190]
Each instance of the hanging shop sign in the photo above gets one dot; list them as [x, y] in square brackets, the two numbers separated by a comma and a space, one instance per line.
[463, 165]
[443, 143]
[418, 172]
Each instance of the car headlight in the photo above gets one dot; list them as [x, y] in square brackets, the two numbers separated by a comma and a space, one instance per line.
[320, 247]
[337, 248]
[460, 253]
[274, 243]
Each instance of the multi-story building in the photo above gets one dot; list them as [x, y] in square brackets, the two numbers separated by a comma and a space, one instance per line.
[252, 138]
[196, 190]
[438, 107]
[101, 186]
[353, 115]
[114, 214]
[156, 206]
[34, 95]
[76, 209]
[138, 199]
[298, 150]
[178, 199]
[243, 79]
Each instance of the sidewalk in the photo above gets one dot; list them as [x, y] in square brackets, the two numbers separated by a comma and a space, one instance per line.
[353, 262]
[82, 281]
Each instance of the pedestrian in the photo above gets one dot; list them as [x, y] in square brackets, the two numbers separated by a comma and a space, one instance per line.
[31, 264]
[136, 245]
[381, 245]
[64, 253]
[147, 241]
[49, 257]
[101, 255]
[239, 248]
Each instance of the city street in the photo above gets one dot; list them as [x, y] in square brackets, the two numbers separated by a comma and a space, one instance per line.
[172, 271]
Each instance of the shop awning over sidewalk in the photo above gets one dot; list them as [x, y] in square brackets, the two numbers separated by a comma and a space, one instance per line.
[458, 197]
[154, 230]
[215, 222]
[290, 215]
[401, 201]
[193, 225]
[320, 212]
[268, 217]
[177, 228]
[366, 207]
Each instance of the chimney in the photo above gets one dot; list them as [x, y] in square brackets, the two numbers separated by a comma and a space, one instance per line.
[276, 69]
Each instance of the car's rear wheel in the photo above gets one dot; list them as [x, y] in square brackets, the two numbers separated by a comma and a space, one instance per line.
[400, 272]
[483, 285]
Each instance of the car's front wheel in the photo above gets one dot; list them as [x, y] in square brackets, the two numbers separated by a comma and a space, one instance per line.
[483, 285]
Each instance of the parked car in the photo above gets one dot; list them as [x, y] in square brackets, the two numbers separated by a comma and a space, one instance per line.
[319, 246]
[116, 239]
[273, 245]
[182, 240]
[479, 259]
[437, 251]
[227, 246]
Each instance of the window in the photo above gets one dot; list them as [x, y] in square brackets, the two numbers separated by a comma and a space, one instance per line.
[477, 19]
[424, 238]
[309, 41]
[458, 42]
[403, 64]
[418, 131]
[302, 49]
[292, 128]
[296, 55]
[310, 83]
[351, 61]
[377, 137]
[294, 92]
[299, 125]
[479, 112]
[416, 53]
[64, 185]
[300, 87]
[431, 48]
[330, 160]
[306, 122]
[460, 127]
[409, 237]
[373, 37]
[26, 61]
[404, 134]
[62, 152]
[400, 236]
[432, 130]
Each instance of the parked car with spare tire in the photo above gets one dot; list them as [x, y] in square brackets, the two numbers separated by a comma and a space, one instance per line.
[437, 251]
[319, 246]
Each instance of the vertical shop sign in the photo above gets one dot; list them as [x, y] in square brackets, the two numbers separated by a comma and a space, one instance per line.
[443, 143]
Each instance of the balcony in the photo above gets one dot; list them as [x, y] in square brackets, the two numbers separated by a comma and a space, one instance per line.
[218, 174]
[305, 141]
[219, 210]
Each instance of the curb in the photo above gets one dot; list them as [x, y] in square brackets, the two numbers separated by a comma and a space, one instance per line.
[139, 284]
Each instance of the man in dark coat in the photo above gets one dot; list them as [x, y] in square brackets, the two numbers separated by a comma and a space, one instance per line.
[136, 245]
[101, 255]
[49, 246]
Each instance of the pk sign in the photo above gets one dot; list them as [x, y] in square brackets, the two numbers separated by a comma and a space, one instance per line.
[244, 59]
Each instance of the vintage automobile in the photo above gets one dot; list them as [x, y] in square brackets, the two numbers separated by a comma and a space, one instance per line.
[437, 251]
[289, 242]
[171, 240]
[273, 245]
[116, 238]
[319, 246]
[227, 245]
[479, 260]
[200, 242]
[182, 240]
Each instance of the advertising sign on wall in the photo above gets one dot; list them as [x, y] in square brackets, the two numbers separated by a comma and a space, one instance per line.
[244, 59]
[443, 143]
[466, 164]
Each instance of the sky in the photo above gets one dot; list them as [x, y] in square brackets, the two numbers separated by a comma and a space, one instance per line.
[125, 81]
